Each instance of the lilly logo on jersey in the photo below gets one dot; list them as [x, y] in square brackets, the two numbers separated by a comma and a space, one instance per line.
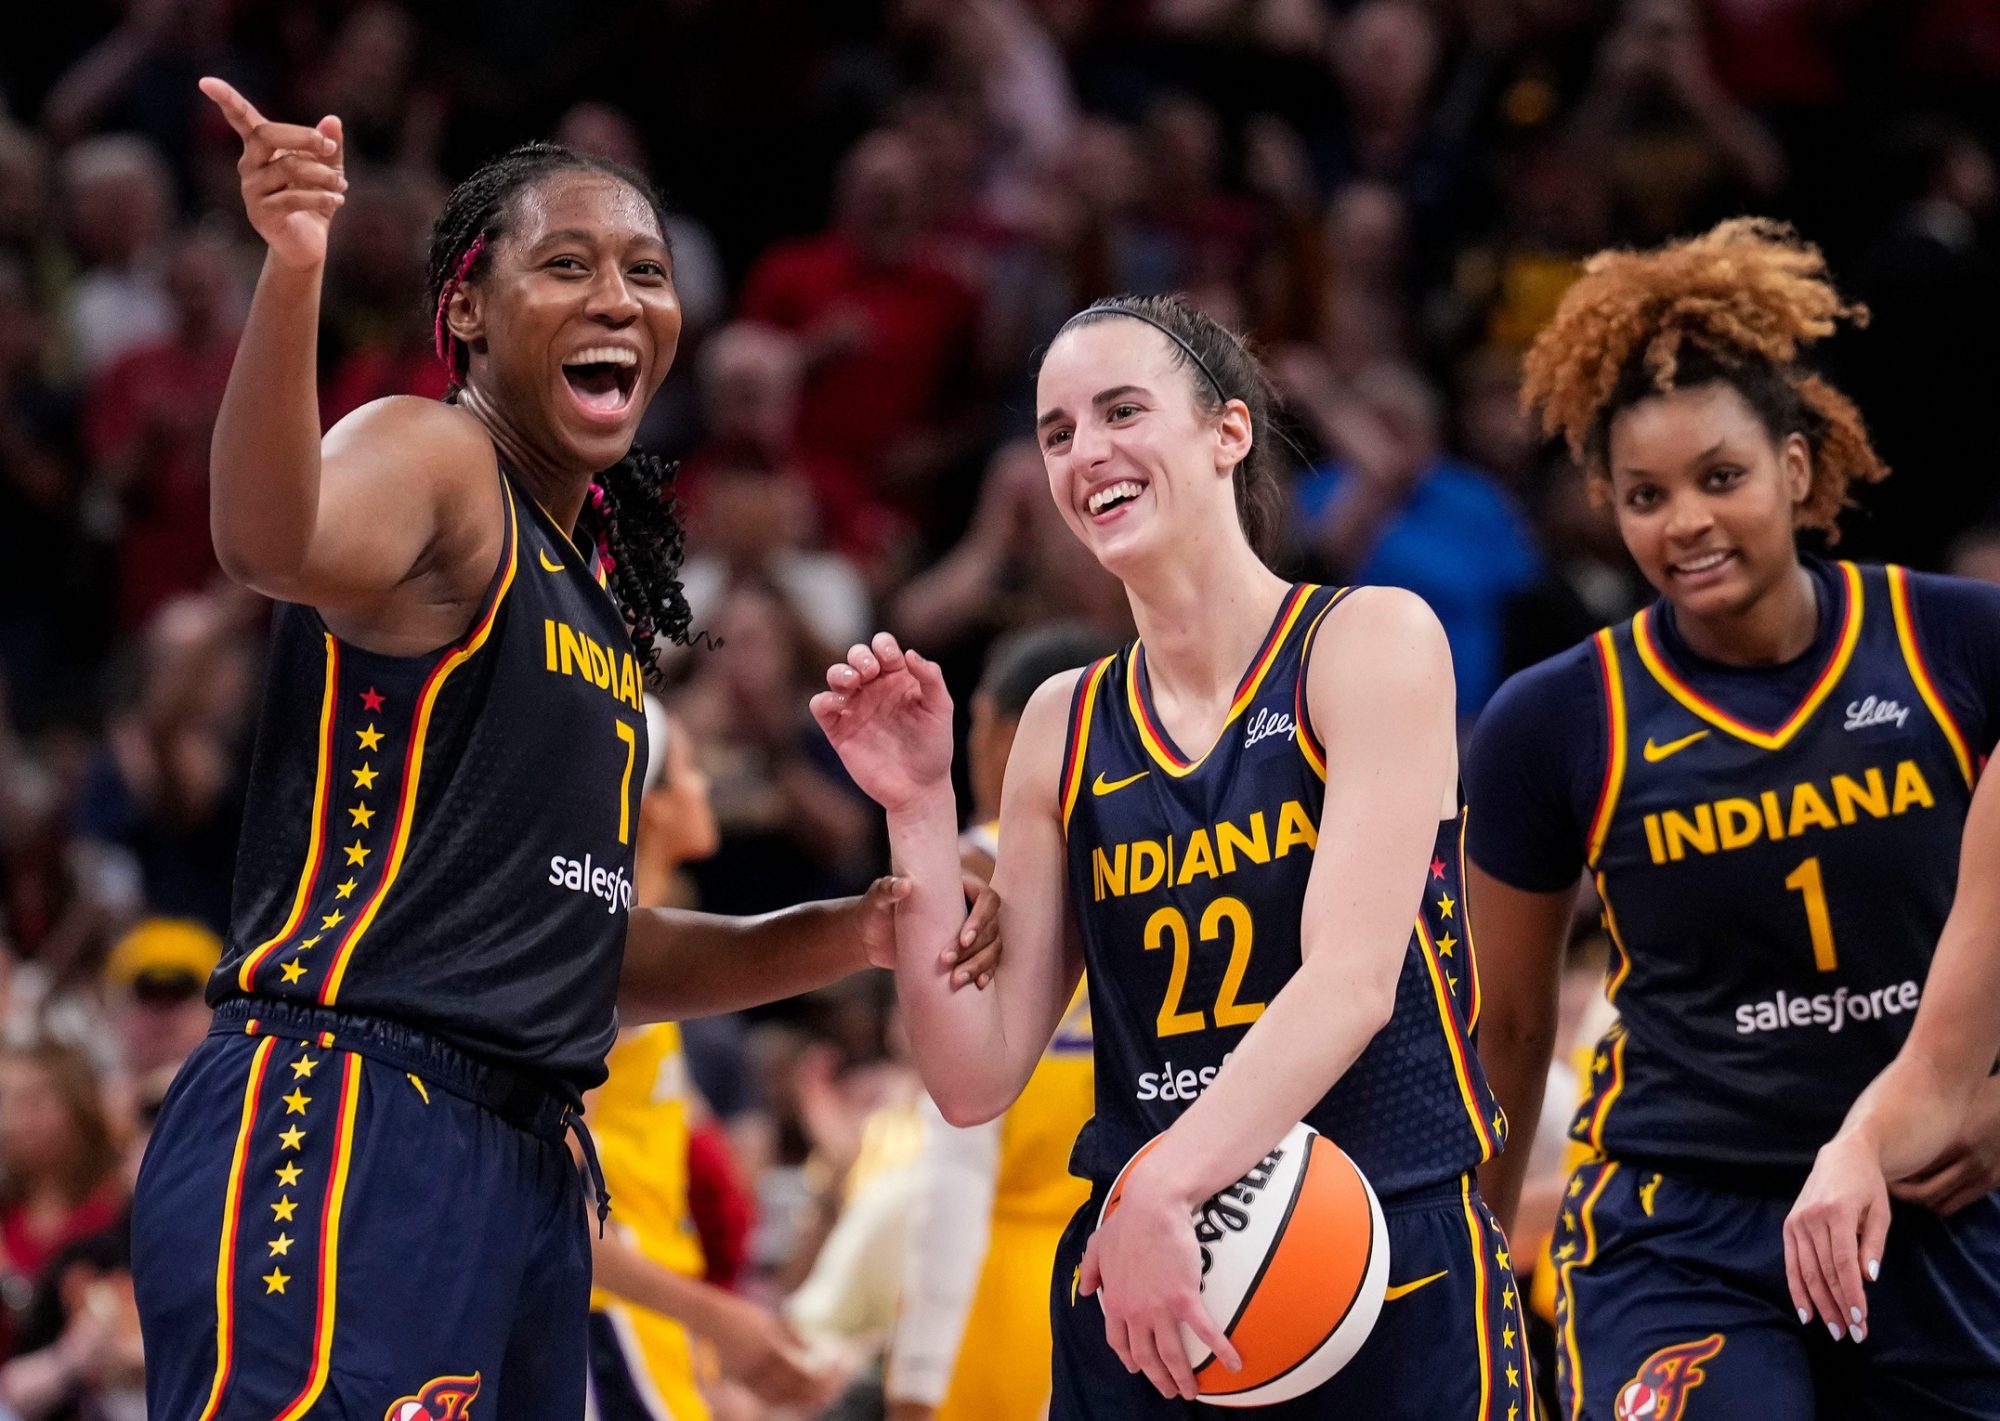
[440, 1399]
[1659, 1392]
[1874, 710]
[1183, 1084]
[1264, 725]
[584, 876]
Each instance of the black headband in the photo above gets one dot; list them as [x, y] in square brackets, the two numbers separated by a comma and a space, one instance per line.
[1188, 350]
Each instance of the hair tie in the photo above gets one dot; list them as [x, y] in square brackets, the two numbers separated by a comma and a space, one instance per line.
[441, 337]
[1176, 338]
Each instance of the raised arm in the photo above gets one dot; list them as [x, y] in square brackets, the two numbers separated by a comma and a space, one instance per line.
[344, 526]
[1918, 1106]
[889, 716]
[1380, 691]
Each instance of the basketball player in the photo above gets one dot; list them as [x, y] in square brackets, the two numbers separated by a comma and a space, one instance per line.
[1293, 745]
[972, 1334]
[1766, 773]
[358, 1200]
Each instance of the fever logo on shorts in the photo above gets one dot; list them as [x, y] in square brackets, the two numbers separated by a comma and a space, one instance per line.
[441, 1399]
[1660, 1390]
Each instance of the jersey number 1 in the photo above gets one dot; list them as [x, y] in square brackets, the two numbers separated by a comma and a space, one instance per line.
[1807, 879]
[1167, 925]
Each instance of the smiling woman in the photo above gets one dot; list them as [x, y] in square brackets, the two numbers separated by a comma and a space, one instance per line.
[1765, 774]
[433, 924]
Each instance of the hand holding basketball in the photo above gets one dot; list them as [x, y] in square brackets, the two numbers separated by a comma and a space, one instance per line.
[293, 181]
[1841, 1217]
[889, 716]
[1145, 1268]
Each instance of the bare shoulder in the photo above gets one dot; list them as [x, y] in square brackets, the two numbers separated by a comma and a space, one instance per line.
[1036, 759]
[1377, 642]
[405, 434]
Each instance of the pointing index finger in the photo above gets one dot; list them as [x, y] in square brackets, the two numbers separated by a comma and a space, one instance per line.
[241, 113]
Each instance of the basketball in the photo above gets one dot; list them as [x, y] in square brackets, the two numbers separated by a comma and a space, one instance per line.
[1295, 1262]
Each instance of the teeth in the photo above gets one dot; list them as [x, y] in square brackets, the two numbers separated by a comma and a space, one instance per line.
[1703, 563]
[604, 355]
[1111, 492]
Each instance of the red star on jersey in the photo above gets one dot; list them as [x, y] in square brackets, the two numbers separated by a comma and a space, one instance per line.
[1437, 869]
[371, 699]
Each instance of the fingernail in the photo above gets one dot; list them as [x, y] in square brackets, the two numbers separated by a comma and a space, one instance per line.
[1805, 1316]
[1860, 1333]
[1874, 1269]
[1834, 1328]
[1855, 1315]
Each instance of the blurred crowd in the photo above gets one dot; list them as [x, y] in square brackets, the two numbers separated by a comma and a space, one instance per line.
[884, 207]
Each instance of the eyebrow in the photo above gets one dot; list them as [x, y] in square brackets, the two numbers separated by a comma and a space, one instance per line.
[1097, 401]
[585, 238]
[1702, 458]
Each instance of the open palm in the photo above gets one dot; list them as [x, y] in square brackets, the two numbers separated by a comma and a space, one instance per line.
[889, 717]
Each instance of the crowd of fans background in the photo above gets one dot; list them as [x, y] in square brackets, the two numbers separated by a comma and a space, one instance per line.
[884, 208]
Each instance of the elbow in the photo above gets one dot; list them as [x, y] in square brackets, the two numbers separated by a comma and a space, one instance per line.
[963, 1109]
[1376, 1004]
[247, 562]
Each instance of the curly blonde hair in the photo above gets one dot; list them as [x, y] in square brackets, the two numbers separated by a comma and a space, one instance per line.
[1737, 305]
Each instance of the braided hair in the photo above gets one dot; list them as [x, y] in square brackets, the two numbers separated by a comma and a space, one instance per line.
[1737, 305]
[630, 513]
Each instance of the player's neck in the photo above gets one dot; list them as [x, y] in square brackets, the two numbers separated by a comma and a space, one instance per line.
[1777, 627]
[1202, 624]
[559, 491]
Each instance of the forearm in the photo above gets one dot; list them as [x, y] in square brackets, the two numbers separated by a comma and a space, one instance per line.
[1517, 1041]
[681, 964]
[1911, 1113]
[958, 1038]
[264, 463]
[1305, 1041]
[619, 1268]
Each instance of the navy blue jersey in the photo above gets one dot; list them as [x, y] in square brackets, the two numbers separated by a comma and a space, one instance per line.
[1188, 880]
[1773, 882]
[445, 840]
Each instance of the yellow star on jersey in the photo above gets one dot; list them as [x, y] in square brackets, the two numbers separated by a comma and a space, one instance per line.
[1507, 1298]
[1444, 905]
[309, 943]
[360, 816]
[1568, 1250]
[1451, 981]
[1569, 1221]
[292, 971]
[1514, 1412]
[344, 890]
[1507, 1338]
[303, 1067]
[1446, 944]
[1602, 1063]
[296, 1102]
[288, 1175]
[364, 778]
[369, 738]
[356, 853]
[282, 1211]
[1575, 1187]
[281, 1246]
[332, 920]
[293, 1138]
[1499, 1120]
[1513, 1378]
[1500, 1256]
[274, 1282]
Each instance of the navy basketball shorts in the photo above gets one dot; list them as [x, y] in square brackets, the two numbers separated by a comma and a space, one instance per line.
[1448, 1345]
[327, 1225]
[1672, 1306]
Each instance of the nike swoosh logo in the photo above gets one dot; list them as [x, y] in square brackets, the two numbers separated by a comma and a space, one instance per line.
[542, 556]
[1403, 1290]
[1656, 753]
[1104, 786]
